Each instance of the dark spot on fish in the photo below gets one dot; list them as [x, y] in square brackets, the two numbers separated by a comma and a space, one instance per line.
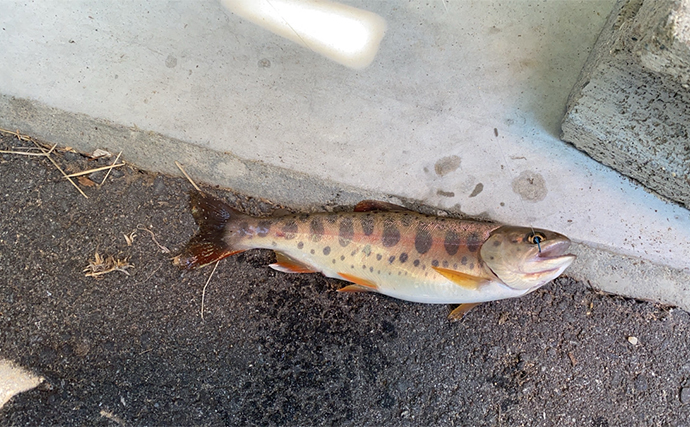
[262, 228]
[371, 269]
[332, 218]
[346, 232]
[302, 218]
[316, 229]
[364, 267]
[378, 271]
[391, 234]
[367, 223]
[452, 242]
[423, 266]
[342, 257]
[471, 266]
[290, 229]
[445, 264]
[333, 260]
[353, 253]
[244, 230]
[423, 241]
[300, 245]
[497, 243]
[463, 261]
[352, 266]
[403, 257]
[406, 220]
[416, 263]
[434, 263]
[327, 250]
[378, 257]
[312, 251]
[391, 259]
[473, 242]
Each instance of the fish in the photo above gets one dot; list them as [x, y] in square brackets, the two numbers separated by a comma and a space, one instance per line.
[389, 249]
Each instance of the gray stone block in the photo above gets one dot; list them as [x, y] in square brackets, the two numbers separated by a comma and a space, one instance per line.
[630, 108]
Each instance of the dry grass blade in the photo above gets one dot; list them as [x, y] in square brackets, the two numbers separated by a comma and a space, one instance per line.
[111, 168]
[100, 266]
[130, 238]
[22, 153]
[102, 168]
[153, 237]
[188, 178]
[203, 293]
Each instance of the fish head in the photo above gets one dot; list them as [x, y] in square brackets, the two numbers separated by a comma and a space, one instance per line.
[526, 258]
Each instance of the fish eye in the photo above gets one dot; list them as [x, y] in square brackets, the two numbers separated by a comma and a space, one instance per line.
[536, 238]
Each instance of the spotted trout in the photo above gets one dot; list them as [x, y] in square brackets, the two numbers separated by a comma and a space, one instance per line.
[385, 248]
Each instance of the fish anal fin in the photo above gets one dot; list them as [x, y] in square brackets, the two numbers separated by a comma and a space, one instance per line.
[368, 285]
[354, 288]
[460, 311]
[465, 280]
[376, 205]
[286, 264]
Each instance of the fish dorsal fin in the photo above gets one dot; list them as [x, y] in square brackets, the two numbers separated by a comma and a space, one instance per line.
[360, 285]
[376, 205]
[465, 280]
[461, 310]
[287, 264]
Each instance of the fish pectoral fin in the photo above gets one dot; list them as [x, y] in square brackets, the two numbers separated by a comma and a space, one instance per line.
[360, 285]
[460, 311]
[375, 205]
[462, 279]
[287, 264]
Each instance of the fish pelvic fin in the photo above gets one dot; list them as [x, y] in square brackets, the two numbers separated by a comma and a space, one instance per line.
[460, 311]
[360, 285]
[208, 245]
[286, 264]
[465, 280]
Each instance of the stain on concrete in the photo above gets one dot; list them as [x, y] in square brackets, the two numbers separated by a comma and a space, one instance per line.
[530, 186]
[447, 165]
[170, 61]
[477, 189]
[264, 63]
[445, 193]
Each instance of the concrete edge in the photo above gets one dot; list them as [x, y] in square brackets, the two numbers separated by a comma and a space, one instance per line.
[604, 270]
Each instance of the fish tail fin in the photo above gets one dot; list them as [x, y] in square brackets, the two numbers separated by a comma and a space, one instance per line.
[209, 244]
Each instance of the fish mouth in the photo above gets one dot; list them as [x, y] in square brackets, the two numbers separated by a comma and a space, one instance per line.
[554, 249]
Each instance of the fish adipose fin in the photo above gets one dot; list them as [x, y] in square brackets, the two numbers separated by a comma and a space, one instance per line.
[461, 279]
[360, 285]
[208, 244]
[462, 310]
[287, 264]
[375, 205]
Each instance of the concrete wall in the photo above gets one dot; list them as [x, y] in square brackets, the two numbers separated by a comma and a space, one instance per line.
[630, 108]
[460, 110]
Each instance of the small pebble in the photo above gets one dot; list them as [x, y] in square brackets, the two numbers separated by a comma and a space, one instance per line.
[632, 340]
[685, 395]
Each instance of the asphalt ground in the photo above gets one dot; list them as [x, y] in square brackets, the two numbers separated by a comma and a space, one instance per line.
[131, 348]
